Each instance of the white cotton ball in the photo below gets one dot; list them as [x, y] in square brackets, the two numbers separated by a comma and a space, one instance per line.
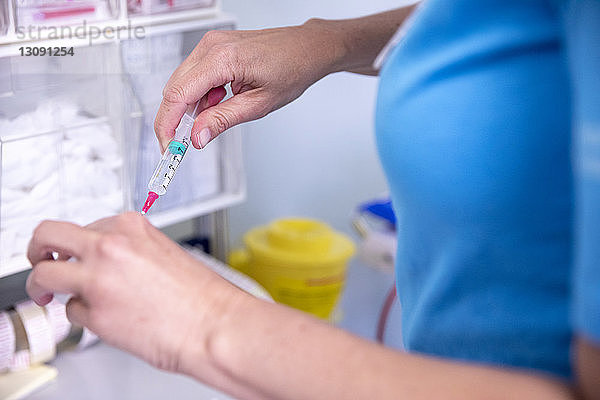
[24, 124]
[48, 117]
[10, 195]
[32, 207]
[80, 133]
[86, 178]
[47, 190]
[74, 148]
[72, 173]
[23, 179]
[74, 208]
[85, 210]
[22, 175]
[15, 152]
[21, 243]
[98, 142]
[7, 244]
[114, 202]
[104, 143]
[47, 144]
[107, 181]
[65, 112]
[23, 153]
[44, 118]
[28, 222]
[77, 177]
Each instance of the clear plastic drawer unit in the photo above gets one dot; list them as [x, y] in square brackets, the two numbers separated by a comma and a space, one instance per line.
[63, 131]
[77, 141]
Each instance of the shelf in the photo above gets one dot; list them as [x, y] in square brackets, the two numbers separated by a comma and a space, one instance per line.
[79, 35]
[9, 45]
[180, 214]
[159, 220]
[175, 16]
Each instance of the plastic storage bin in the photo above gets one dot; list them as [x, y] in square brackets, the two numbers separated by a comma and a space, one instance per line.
[301, 262]
[66, 134]
[161, 6]
[204, 174]
[77, 140]
[63, 12]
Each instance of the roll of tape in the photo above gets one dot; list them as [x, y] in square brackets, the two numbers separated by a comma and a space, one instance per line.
[20, 360]
[57, 317]
[7, 340]
[38, 330]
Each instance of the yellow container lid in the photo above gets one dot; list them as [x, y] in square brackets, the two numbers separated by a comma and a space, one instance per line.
[299, 242]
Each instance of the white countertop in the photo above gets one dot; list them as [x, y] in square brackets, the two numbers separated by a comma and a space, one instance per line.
[102, 372]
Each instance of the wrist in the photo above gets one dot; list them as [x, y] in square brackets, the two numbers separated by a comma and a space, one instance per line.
[328, 35]
[354, 43]
[218, 304]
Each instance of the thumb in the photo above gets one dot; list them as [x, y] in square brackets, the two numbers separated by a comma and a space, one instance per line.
[214, 120]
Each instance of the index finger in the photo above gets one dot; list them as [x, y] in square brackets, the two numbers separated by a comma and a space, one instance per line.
[167, 118]
[187, 88]
[56, 236]
[49, 277]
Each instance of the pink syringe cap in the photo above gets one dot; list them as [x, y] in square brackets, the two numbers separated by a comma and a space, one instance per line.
[149, 201]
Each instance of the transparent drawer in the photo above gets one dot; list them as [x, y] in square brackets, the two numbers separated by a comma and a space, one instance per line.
[204, 174]
[64, 150]
[161, 6]
[63, 12]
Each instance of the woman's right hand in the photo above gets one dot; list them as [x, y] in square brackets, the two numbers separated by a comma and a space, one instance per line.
[267, 69]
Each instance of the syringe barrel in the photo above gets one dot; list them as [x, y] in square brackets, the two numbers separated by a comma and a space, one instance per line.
[172, 157]
[184, 129]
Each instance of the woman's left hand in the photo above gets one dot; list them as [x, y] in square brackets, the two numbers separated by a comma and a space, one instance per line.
[131, 285]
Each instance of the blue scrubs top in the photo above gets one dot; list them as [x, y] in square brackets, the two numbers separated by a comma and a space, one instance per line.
[482, 109]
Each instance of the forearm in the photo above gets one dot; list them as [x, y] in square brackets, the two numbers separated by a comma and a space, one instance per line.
[358, 41]
[279, 353]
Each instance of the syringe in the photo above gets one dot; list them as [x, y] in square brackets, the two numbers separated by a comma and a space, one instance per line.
[171, 159]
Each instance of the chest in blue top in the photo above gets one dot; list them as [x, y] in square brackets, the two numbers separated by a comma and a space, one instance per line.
[473, 130]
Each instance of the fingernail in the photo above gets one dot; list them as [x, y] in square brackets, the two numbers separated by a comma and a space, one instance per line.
[197, 137]
[204, 137]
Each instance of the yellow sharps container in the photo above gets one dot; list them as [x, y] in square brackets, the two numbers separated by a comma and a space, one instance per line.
[300, 262]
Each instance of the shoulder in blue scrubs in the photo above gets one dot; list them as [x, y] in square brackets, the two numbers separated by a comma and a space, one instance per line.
[474, 129]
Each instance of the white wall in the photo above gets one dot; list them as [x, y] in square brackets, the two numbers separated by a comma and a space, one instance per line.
[315, 157]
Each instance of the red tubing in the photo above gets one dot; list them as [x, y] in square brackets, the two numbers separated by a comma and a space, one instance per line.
[385, 312]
